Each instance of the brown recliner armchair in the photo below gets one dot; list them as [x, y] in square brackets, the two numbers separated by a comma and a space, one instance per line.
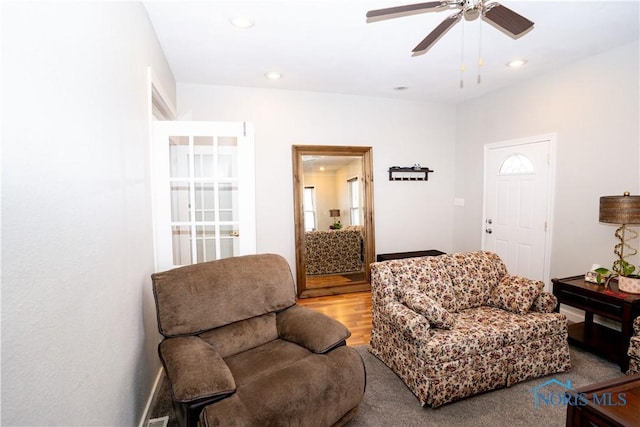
[239, 351]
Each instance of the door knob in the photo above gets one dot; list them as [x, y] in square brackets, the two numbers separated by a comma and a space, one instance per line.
[488, 230]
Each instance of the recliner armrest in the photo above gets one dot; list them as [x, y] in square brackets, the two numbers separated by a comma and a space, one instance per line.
[195, 369]
[314, 331]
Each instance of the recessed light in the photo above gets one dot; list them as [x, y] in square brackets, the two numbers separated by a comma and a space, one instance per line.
[516, 63]
[273, 75]
[241, 22]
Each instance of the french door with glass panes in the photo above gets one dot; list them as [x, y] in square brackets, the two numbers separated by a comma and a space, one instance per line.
[204, 191]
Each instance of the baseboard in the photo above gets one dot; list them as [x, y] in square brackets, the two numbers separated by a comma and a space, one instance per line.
[573, 314]
[144, 419]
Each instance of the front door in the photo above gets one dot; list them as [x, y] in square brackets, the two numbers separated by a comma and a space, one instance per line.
[204, 191]
[517, 204]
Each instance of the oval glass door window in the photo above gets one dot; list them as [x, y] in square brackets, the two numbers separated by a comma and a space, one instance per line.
[516, 164]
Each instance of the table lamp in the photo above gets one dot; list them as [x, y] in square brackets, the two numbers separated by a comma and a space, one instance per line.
[623, 210]
[335, 213]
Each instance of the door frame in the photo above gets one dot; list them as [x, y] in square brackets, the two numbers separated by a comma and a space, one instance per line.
[551, 186]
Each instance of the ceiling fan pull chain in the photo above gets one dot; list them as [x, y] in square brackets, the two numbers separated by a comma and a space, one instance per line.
[462, 67]
[480, 63]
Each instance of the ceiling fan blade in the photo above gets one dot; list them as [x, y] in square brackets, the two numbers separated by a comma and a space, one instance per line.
[438, 32]
[406, 8]
[507, 19]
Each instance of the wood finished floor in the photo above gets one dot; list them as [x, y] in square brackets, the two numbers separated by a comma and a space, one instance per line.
[353, 310]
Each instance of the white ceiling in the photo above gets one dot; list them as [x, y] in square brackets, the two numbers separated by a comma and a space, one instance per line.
[327, 45]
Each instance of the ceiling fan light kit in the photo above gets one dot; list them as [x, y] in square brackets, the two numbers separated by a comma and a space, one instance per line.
[241, 22]
[516, 63]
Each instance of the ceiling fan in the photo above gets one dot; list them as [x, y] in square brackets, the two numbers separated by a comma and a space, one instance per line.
[504, 18]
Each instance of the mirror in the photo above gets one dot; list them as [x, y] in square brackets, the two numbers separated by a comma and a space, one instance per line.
[334, 232]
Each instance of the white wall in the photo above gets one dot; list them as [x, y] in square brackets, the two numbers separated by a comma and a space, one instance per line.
[408, 215]
[326, 196]
[593, 106]
[79, 333]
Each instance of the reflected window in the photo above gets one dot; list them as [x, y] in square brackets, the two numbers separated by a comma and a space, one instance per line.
[516, 164]
[309, 208]
[354, 201]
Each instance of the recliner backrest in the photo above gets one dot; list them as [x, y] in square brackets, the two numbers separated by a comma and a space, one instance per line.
[200, 297]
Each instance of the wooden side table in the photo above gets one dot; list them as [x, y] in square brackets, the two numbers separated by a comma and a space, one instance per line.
[402, 255]
[592, 298]
[613, 403]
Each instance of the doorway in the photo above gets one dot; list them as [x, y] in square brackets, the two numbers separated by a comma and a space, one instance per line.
[518, 196]
[203, 191]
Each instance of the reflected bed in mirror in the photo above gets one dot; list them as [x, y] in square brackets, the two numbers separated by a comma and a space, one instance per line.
[333, 219]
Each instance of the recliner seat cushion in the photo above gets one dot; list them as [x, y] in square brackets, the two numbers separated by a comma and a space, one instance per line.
[281, 383]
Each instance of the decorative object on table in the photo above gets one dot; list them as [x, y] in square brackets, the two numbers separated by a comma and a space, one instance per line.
[335, 214]
[623, 210]
[593, 276]
[410, 173]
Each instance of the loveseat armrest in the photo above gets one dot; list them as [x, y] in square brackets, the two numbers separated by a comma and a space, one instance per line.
[636, 326]
[546, 302]
[195, 370]
[413, 325]
[314, 331]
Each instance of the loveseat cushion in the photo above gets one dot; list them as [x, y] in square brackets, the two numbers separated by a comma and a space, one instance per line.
[473, 275]
[515, 294]
[463, 341]
[485, 329]
[428, 275]
[535, 326]
[435, 314]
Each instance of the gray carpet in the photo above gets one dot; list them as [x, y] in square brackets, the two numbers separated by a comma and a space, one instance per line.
[388, 402]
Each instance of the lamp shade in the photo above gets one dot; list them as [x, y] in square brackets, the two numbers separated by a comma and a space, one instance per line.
[623, 209]
[334, 213]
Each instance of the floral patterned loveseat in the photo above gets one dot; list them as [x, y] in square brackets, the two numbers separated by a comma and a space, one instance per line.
[634, 349]
[333, 251]
[455, 325]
